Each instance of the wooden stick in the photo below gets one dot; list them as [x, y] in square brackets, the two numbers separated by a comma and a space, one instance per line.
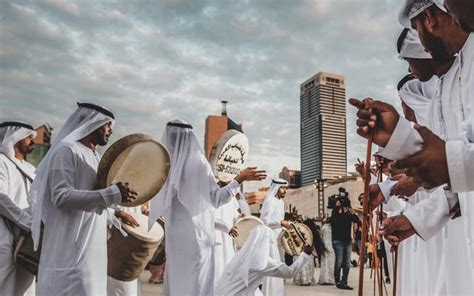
[365, 212]
[395, 271]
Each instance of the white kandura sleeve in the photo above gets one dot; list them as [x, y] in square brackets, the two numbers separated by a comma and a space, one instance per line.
[385, 187]
[460, 157]
[8, 208]
[221, 225]
[65, 196]
[279, 269]
[405, 141]
[220, 196]
[430, 215]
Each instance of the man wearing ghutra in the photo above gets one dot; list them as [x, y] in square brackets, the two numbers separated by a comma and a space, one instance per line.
[16, 175]
[74, 250]
[273, 215]
[256, 260]
[187, 202]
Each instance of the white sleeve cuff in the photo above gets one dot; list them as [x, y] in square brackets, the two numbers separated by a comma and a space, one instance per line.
[385, 188]
[405, 141]
[111, 195]
[460, 158]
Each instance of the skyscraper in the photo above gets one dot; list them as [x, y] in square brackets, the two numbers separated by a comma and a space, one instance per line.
[323, 127]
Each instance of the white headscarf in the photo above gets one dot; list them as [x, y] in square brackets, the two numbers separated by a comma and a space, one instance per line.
[190, 173]
[9, 136]
[80, 123]
[411, 47]
[270, 198]
[412, 8]
[418, 95]
[254, 254]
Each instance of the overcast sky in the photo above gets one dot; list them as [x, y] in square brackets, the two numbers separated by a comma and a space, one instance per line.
[152, 61]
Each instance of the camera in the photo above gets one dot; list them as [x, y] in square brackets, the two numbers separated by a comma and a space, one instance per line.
[343, 197]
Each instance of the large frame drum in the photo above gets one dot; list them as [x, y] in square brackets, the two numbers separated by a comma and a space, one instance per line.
[229, 155]
[139, 160]
[128, 256]
[291, 242]
[245, 225]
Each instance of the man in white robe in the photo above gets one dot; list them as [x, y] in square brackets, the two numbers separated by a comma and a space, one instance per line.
[187, 202]
[272, 214]
[224, 250]
[74, 249]
[256, 260]
[16, 175]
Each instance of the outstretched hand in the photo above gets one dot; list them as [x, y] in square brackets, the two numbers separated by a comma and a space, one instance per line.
[127, 218]
[376, 116]
[429, 166]
[251, 174]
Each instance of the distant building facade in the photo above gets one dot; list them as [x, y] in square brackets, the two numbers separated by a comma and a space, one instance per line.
[323, 128]
[293, 177]
[216, 126]
[42, 144]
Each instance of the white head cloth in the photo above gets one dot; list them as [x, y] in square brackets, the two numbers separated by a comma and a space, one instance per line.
[190, 174]
[412, 8]
[415, 94]
[270, 198]
[80, 123]
[254, 254]
[9, 136]
[412, 48]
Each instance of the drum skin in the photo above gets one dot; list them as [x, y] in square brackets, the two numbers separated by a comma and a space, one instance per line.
[244, 226]
[128, 256]
[139, 160]
[229, 155]
[291, 242]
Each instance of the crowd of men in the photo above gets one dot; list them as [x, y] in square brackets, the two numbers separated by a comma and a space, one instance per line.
[430, 150]
[58, 203]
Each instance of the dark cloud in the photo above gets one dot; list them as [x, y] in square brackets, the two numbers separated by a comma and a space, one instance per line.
[151, 61]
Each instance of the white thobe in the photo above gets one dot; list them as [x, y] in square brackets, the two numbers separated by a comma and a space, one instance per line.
[189, 245]
[230, 285]
[121, 288]
[14, 279]
[224, 250]
[273, 285]
[452, 113]
[74, 249]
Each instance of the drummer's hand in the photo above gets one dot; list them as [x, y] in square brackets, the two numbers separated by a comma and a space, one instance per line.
[308, 249]
[128, 195]
[233, 232]
[251, 174]
[126, 218]
[286, 224]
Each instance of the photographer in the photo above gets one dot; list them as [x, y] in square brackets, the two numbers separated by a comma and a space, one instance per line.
[341, 222]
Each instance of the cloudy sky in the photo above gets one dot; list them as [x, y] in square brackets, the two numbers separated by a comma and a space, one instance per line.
[152, 61]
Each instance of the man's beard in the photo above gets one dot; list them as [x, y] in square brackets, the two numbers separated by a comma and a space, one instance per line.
[437, 48]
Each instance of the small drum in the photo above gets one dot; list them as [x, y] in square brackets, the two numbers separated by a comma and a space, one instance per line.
[244, 226]
[139, 160]
[128, 256]
[229, 155]
[160, 255]
[290, 240]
